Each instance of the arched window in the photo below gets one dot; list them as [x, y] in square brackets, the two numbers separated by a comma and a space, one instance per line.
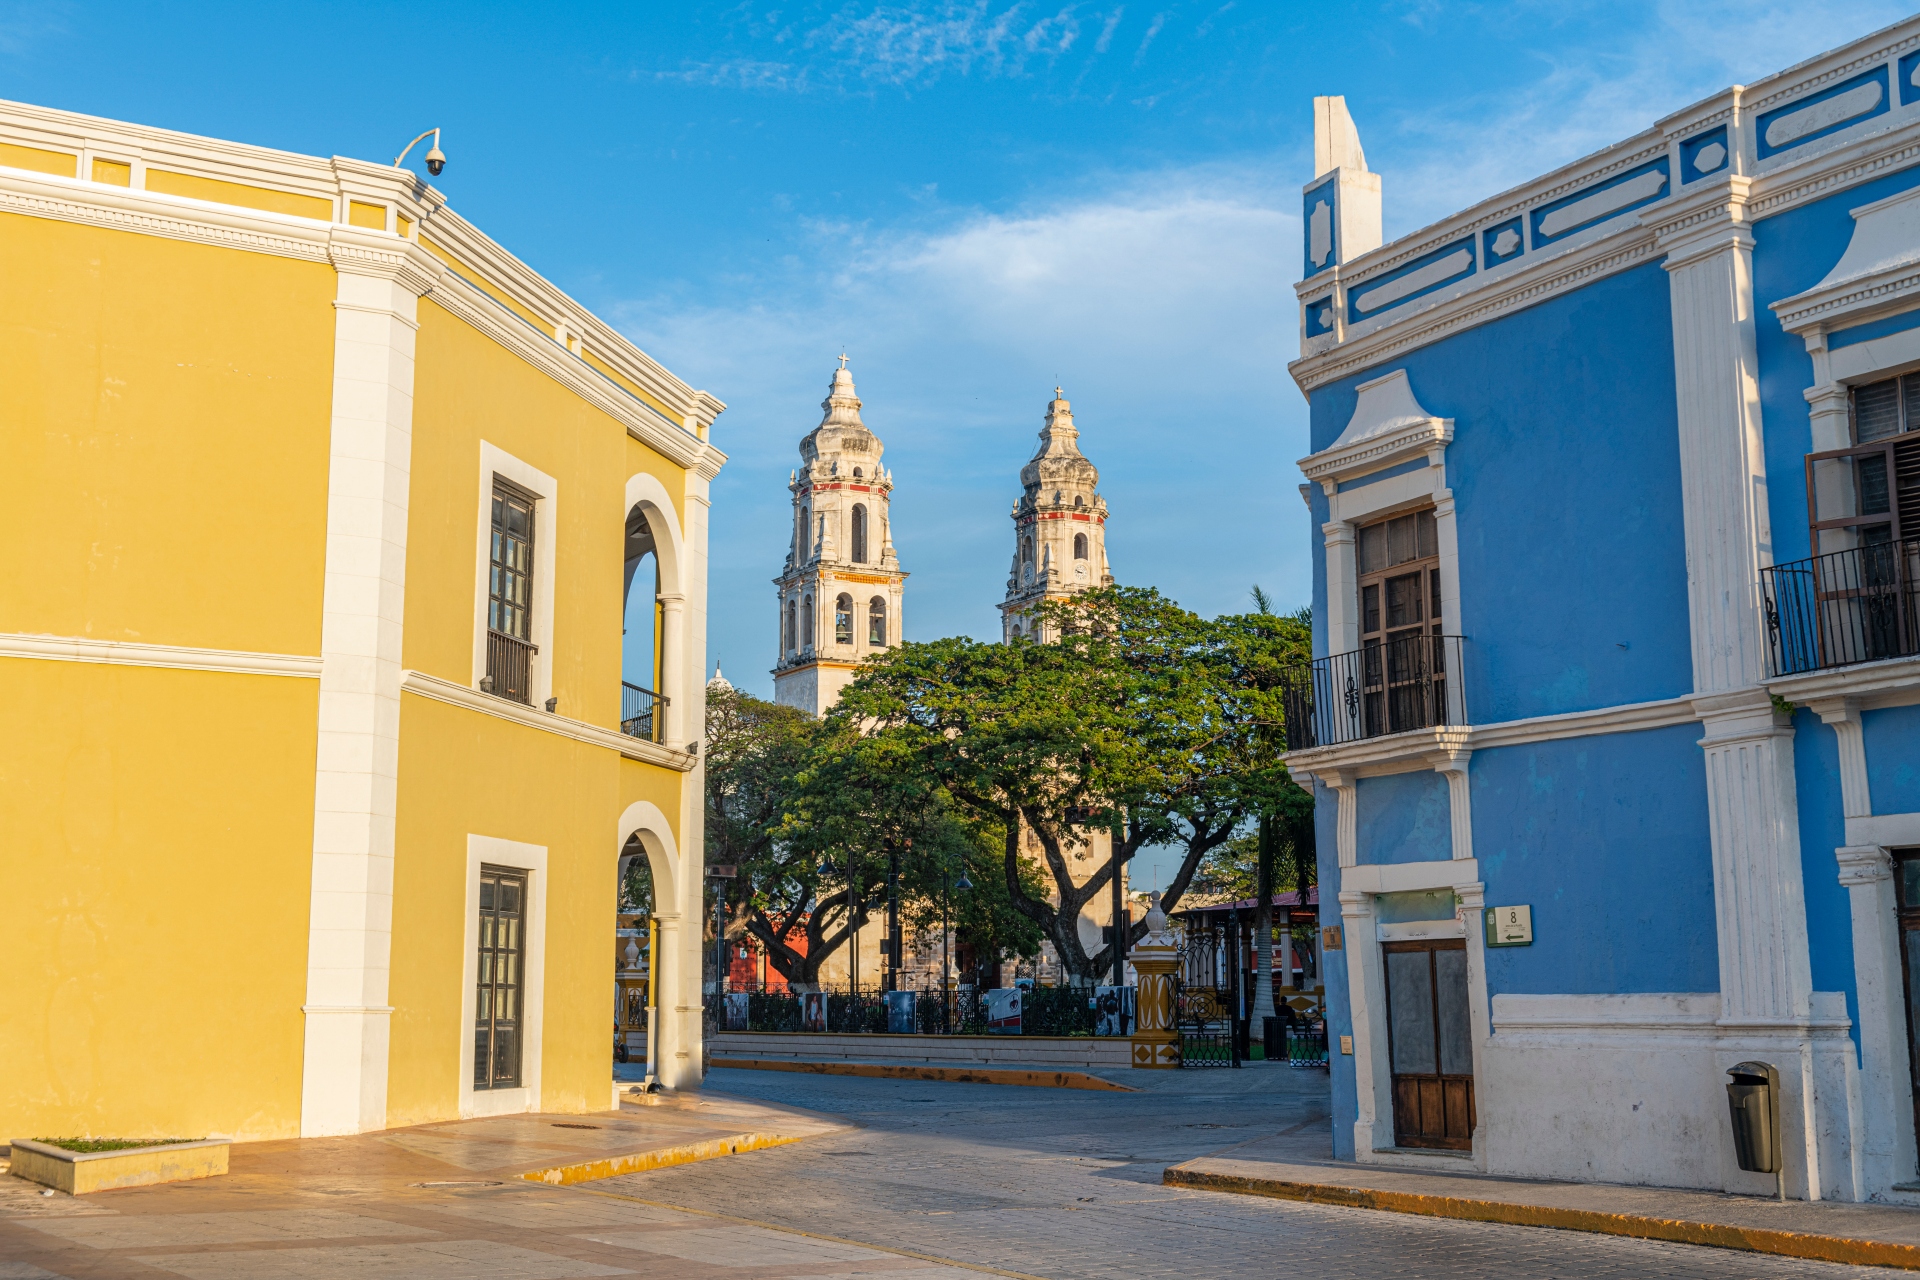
[1079, 501]
[856, 473]
[806, 623]
[1079, 546]
[859, 533]
[843, 620]
[793, 626]
[806, 532]
[877, 620]
[1016, 631]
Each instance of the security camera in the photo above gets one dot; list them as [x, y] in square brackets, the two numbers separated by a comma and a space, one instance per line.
[436, 161]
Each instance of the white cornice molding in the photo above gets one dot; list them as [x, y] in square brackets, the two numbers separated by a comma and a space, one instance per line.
[459, 695]
[335, 180]
[1517, 287]
[152, 213]
[1886, 143]
[1430, 748]
[1878, 274]
[1893, 682]
[1388, 426]
[182, 658]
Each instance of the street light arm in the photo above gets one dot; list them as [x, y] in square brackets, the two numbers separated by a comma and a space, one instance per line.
[434, 133]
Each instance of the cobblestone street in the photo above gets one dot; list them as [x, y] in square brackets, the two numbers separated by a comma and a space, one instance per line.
[1065, 1184]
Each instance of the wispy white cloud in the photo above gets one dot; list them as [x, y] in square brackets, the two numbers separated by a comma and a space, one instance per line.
[1452, 153]
[1161, 302]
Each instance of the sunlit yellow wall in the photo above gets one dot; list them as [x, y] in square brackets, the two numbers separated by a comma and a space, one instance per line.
[163, 438]
[456, 780]
[467, 389]
[157, 854]
[463, 772]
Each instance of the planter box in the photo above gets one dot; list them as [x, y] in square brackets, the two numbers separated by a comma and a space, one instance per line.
[77, 1172]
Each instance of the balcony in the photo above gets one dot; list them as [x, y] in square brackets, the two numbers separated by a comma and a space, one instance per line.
[1844, 607]
[509, 666]
[1409, 683]
[641, 712]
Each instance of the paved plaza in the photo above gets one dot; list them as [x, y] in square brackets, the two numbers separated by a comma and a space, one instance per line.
[928, 1181]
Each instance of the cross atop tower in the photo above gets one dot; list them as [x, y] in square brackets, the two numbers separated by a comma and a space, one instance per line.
[843, 359]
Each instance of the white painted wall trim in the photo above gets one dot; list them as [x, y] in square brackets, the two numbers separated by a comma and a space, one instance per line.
[1894, 682]
[357, 758]
[459, 695]
[497, 462]
[531, 858]
[1888, 830]
[183, 658]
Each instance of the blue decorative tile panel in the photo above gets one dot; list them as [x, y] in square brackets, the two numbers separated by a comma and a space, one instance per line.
[1873, 329]
[1704, 154]
[1423, 275]
[1502, 243]
[1319, 316]
[1600, 201]
[1320, 223]
[1910, 79]
[1819, 114]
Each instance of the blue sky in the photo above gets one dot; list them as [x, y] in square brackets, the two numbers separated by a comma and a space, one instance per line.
[973, 200]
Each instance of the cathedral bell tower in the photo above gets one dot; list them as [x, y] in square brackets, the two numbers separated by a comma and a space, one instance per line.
[840, 590]
[1059, 527]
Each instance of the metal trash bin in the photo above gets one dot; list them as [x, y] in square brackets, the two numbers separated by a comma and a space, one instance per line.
[1273, 1037]
[1753, 1099]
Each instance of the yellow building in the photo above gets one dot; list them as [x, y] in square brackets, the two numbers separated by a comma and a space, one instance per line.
[310, 650]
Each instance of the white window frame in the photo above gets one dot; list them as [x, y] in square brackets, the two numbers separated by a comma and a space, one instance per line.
[495, 461]
[531, 858]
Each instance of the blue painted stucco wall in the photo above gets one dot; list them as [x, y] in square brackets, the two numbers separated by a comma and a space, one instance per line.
[1565, 470]
[1893, 758]
[1823, 828]
[1403, 817]
[1606, 838]
[1333, 974]
[1792, 252]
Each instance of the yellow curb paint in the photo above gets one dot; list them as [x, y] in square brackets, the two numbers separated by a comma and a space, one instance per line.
[952, 1075]
[1789, 1244]
[566, 1175]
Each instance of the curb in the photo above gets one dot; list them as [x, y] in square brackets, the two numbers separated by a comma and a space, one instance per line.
[566, 1175]
[952, 1075]
[1788, 1244]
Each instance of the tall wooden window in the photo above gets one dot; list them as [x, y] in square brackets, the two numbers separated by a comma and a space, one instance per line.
[843, 620]
[859, 533]
[510, 646]
[1400, 613]
[500, 978]
[877, 620]
[1885, 461]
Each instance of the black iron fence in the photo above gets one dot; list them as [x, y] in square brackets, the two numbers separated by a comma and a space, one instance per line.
[509, 667]
[1844, 607]
[1390, 687]
[642, 712]
[1044, 1011]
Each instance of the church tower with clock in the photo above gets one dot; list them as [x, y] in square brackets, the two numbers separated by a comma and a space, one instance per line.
[840, 590]
[1059, 527]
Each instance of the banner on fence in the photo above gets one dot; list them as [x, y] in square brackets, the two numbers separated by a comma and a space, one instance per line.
[1113, 1011]
[736, 1011]
[900, 1012]
[813, 1011]
[1003, 1011]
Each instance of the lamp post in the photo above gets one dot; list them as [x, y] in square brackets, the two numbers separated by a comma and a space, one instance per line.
[720, 873]
[946, 945]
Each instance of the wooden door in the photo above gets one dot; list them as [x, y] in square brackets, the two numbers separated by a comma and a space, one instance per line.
[1430, 1044]
[1906, 865]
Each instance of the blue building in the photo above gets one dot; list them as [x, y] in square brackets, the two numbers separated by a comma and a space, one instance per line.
[1614, 722]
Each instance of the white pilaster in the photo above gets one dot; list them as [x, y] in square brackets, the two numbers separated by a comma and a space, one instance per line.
[1885, 1142]
[674, 668]
[682, 1067]
[1452, 765]
[1843, 714]
[1759, 898]
[1366, 988]
[1343, 590]
[1722, 462]
[344, 1076]
[1346, 825]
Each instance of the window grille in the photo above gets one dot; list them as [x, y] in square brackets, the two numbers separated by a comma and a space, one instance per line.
[510, 647]
[499, 978]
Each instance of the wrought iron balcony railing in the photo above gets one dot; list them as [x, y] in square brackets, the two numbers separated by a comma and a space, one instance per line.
[509, 665]
[1390, 687]
[1844, 607]
[640, 712]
